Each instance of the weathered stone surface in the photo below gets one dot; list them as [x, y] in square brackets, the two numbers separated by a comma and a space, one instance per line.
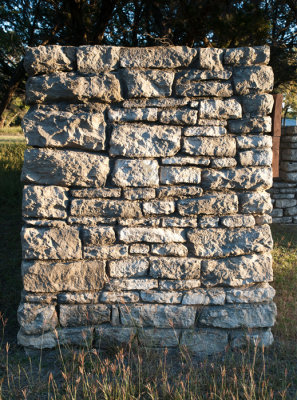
[128, 268]
[44, 201]
[90, 221]
[250, 125]
[94, 59]
[47, 59]
[157, 57]
[237, 221]
[151, 235]
[139, 248]
[255, 79]
[224, 242]
[197, 75]
[46, 277]
[288, 166]
[84, 314]
[237, 271]
[133, 114]
[169, 249]
[159, 103]
[36, 318]
[212, 146]
[209, 204]
[248, 178]
[179, 222]
[139, 193]
[288, 176]
[255, 203]
[205, 131]
[91, 193]
[211, 58]
[51, 243]
[247, 55]
[48, 223]
[148, 83]
[204, 341]
[255, 337]
[47, 298]
[159, 316]
[289, 154]
[179, 117]
[161, 297]
[64, 168]
[179, 284]
[157, 207]
[136, 173]
[263, 219]
[175, 268]
[105, 208]
[73, 87]
[55, 128]
[204, 296]
[107, 337]
[135, 140]
[204, 88]
[253, 294]
[179, 191]
[119, 297]
[239, 316]
[230, 108]
[291, 211]
[149, 221]
[78, 298]
[186, 160]
[98, 235]
[281, 203]
[132, 284]
[257, 104]
[115, 251]
[43, 341]
[209, 122]
[160, 338]
[175, 175]
[226, 162]
[253, 142]
[208, 222]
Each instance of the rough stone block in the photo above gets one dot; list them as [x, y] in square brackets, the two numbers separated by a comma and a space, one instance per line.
[157, 207]
[289, 155]
[250, 125]
[128, 268]
[230, 108]
[105, 208]
[115, 251]
[119, 297]
[253, 142]
[35, 319]
[139, 248]
[186, 160]
[179, 284]
[257, 337]
[107, 337]
[133, 114]
[179, 222]
[247, 55]
[161, 297]
[132, 284]
[152, 235]
[255, 203]
[256, 158]
[197, 75]
[226, 162]
[204, 88]
[136, 173]
[176, 175]
[179, 117]
[205, 296]
[205, 131]
[209, 204]
[263, 219]
[84, 314]
[93, 193]
[94, 59]
[135, 140]
[175, 268]
[139, 194]
[179, 191]
[208, 222]
[169, 249]
[204, 341]
[43, 341]
[289, 166]
[238, 221]
[98, 235]
[257, 104]
[220, 147]
[211, 58]
[64, 168]
[255, 79]
[254, 294]
[161, 338]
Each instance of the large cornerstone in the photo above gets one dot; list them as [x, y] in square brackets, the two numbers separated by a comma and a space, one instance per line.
[145, 206]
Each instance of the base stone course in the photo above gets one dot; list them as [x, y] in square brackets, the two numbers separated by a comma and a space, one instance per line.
[145, 211]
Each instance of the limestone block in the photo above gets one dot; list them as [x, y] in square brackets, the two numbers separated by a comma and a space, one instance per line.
[257, 104]
[289, 166]
[35, 319]
[179, 191]
[291, 211]
[212, 146]
[49, 59]
[204, 296]
[105, 208]
[237, 271]
[131, 267]
[139, 248]
[47, 298]
[205, 131]
[78, 298]
[64, 168]
[253, 294]
[229, 108]
[98, 235]
[132, 284]
[107, 337]
[186, 160]
[72, 87]
[175, 268]
[133, 114]
[247, 55]
[204, 88]
[159, 102]
[44, 201]
[119, 297]
[157, 57]
[157, 207]
[169, 249]
[179, 222]
[208, 222]
[48, 223]
[91, 193]
[196, 75]
[147, 83]
[239, 316]
[149, 221]
[179, 117]
[90, 221]
[204, 341]
[238, 178]
[43, 341]
[211, 58]
[289, 154]
[225, 242]
[256, 158]
[158, 316]
[263, 219]
[150, 337]
[135, 140]
[94, 59]
[226, 162]
[115, 251]
[179, 284]
[238, 221]
[46, 277]
[255, 203]
[220, 203]
[151, 235]
[161, 297]
[250, 125]
[51, 243]
[288, 176]
[84, 314]
[281, 203]
[254, 142]
[256, 337]
[254, 79]
[136, 173]
[47, 126]
[176, 175]
[139, 193]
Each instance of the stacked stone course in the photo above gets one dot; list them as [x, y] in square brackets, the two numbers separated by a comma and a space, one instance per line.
[144, 206]
[284, 190]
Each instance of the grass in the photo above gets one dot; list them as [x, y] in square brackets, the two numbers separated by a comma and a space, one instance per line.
[135, 372]
[11, 135]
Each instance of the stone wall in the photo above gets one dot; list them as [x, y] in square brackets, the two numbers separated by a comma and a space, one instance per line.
[284, 190]
[145, 210]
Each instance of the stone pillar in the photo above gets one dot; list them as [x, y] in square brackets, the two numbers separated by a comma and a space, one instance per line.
[145, 205]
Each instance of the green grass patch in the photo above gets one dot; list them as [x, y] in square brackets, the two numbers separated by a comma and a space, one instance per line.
[11, 131]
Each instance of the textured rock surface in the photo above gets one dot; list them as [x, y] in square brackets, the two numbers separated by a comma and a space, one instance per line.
[205, 341]
[136, 173]
[175, 268]
[210, 204]
[94, 59]
[220, 147]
